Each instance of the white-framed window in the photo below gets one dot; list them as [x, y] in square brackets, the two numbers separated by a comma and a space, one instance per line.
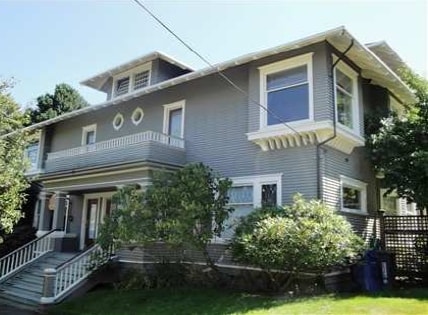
[173, 119]
[353, 195]
[118, 121]
[122, 86]
[251, 192]
[286, 90]
[89, 134]
[137, 116]
[32, 155]
[132, 80]
[346, 96]
[141, 79]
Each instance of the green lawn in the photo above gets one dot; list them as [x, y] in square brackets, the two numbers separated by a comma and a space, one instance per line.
[212, 302]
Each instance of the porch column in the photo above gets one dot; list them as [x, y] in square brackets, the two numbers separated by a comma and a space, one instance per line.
[59, 212]
[44, 214]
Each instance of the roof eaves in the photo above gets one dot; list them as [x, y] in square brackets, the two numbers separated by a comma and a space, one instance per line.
[222, 66]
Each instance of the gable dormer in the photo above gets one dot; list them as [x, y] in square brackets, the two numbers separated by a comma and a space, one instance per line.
[137, 74]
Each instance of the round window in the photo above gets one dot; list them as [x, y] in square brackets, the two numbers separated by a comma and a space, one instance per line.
[118, 121]
[137, 116]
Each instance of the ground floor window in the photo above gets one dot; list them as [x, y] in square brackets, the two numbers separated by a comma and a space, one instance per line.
[248, 193]
[353, 195]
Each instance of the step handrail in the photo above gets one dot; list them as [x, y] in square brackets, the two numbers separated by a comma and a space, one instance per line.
[24, 255]
[61, 280]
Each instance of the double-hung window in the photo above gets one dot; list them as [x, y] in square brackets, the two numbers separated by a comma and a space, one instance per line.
[353, 195]
[89, 135]
[346, 92]
[286, 91]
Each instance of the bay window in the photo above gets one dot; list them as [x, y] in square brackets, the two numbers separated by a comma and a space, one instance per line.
[346, 92]
[286, 91]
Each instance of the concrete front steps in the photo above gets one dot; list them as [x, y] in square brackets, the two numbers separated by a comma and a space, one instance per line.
[24, 289]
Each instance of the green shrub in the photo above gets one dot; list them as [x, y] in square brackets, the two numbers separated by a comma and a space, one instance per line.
[306, 236]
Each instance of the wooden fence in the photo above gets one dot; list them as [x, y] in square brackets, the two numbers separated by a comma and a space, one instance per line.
[407, 238]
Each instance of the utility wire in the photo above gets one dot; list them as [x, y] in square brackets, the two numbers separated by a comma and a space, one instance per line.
[218, 71]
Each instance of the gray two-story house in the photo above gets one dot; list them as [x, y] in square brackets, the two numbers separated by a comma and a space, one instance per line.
[296, 124]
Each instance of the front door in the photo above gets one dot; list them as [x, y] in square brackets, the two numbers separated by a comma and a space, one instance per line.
[92, 211]
[97, 207]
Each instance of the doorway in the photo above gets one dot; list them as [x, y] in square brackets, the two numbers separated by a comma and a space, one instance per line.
[95, 208]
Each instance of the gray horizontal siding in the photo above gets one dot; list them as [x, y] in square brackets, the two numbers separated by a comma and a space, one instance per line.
[356, 166]
[146, 151]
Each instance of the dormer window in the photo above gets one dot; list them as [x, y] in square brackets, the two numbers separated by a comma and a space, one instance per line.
[122, 86]
[141, 80]
[131, 80]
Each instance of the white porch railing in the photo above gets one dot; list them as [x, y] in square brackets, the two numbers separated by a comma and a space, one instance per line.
[119, 142]
[26, 254]
[60, 281]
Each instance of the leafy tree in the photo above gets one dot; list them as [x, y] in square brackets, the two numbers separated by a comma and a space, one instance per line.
[187, 207]
[305, 236]
[399, 148]
[12, 164]
[65, 99]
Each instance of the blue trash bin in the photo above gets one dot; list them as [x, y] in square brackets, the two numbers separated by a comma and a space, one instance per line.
[367, 273]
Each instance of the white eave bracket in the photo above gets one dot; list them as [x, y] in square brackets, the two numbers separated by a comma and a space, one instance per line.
[307, 134]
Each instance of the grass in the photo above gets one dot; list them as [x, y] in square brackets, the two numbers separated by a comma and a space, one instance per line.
[216, 302]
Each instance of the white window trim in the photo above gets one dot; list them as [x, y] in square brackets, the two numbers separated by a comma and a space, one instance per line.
[353, 75]
[131, 74]
[357, 184]
[118, 115]
[289, 63]
[137, 110]
[167, 108]
[87, 129]
[257, 181]
[31, 168]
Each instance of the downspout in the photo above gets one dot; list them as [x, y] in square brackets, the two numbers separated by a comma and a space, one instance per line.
[318, 154]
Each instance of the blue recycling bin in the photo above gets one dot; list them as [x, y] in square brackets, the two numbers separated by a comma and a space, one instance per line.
[367, 273]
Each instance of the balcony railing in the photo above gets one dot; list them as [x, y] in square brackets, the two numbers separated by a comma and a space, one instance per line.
[118, 143]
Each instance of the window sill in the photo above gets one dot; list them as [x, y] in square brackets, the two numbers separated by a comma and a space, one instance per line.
[309, 133]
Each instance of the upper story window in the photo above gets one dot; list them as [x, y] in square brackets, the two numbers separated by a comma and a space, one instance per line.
[353, 195]
[346, 92]
[173, 124]
[141, 79]
[131, 80]
[32, 154]
[89, 134]
[122, 86]
[286, 91]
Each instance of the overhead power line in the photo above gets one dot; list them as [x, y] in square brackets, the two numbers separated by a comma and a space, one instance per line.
[218, 71]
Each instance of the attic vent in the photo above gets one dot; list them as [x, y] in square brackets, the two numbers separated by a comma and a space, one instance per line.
[122, 86]
[141, 80]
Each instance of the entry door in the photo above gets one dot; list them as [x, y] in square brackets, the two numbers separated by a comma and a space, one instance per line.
[92, 213]
[97, 209]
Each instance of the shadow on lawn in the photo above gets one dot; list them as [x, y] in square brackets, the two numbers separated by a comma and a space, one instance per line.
[197, 301]
[412, 293]
[165, 301]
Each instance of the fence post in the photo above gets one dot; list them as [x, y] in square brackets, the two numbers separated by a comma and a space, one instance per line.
[48, 296]
[381, 215]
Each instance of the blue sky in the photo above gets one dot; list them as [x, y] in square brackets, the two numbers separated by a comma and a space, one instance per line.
[44, 43]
